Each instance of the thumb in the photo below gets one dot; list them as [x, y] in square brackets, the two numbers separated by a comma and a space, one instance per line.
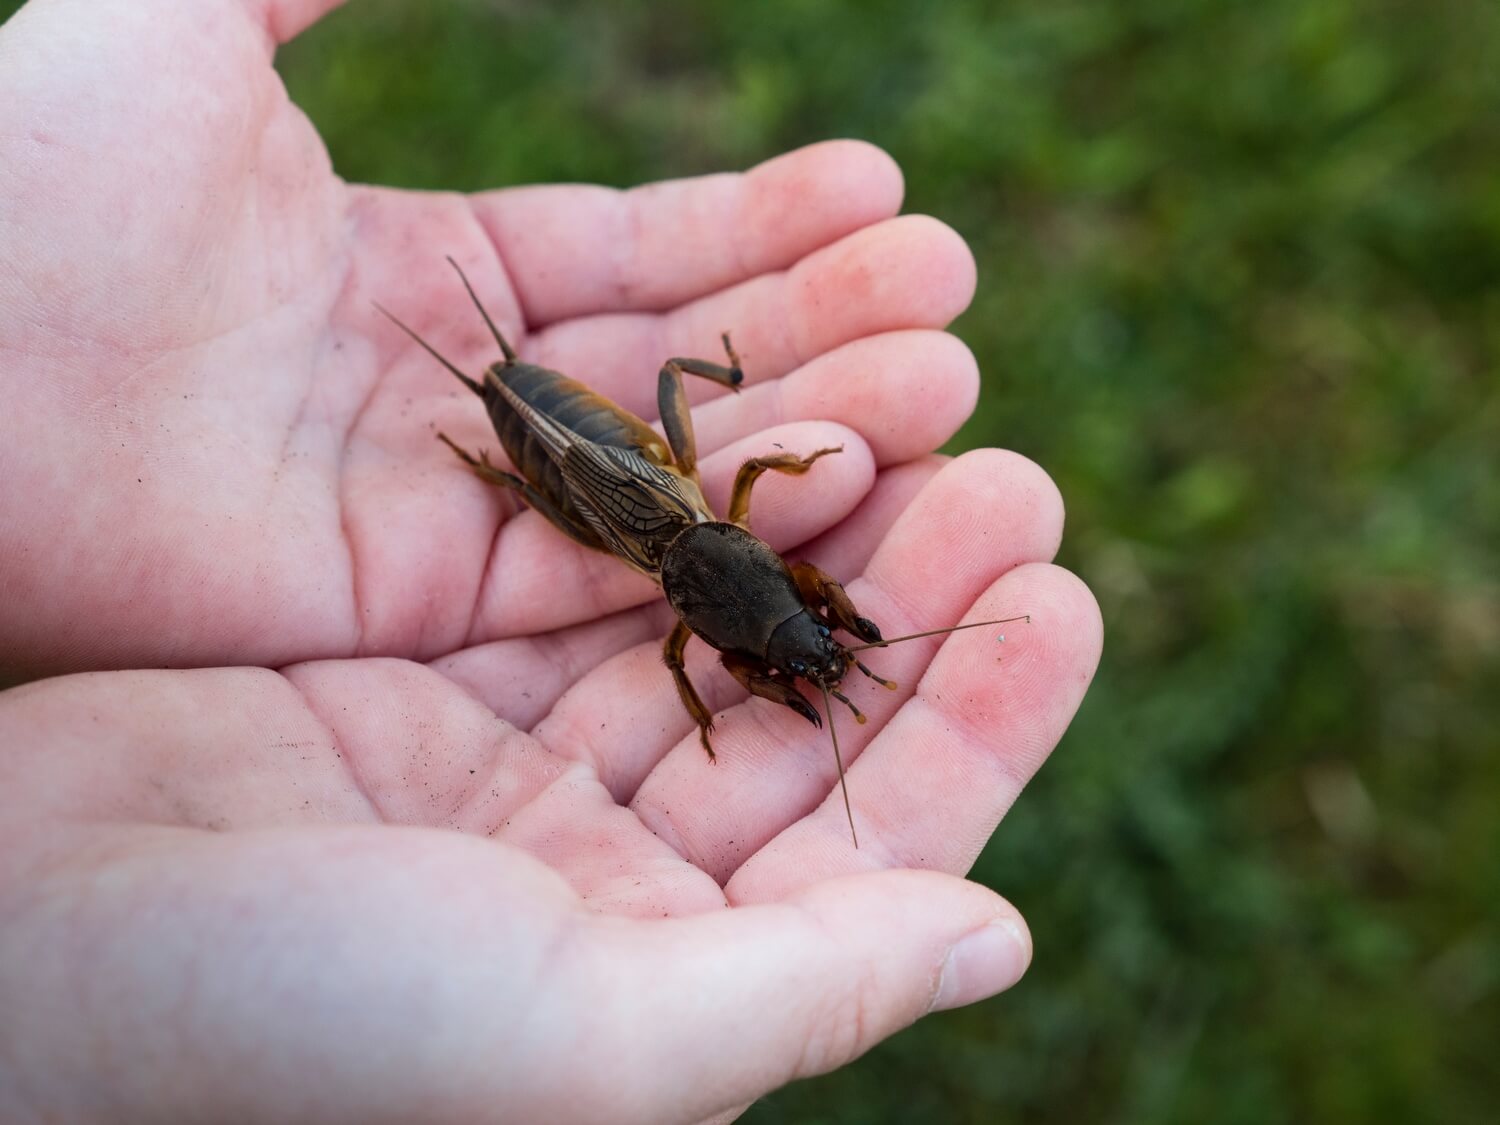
[701, 1014]
[286, 19]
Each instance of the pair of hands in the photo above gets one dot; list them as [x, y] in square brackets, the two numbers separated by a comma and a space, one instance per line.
[431, 838]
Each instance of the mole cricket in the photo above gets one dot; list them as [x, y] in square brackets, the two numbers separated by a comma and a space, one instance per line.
[604, 478]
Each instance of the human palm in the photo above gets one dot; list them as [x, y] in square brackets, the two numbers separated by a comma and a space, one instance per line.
[218, 454]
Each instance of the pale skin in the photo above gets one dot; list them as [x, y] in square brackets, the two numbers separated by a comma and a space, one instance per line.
[428, 836]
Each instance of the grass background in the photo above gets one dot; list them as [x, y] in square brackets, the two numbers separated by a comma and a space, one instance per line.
[1240, 294]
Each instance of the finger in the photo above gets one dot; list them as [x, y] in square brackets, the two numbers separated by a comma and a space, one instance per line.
[538, 581]
[907, 272]
[932, 786]
[521, 678]
[848, 547]
[609, 859]
[425, 756]
[985, 513]
[360, 973]
[905, 393]
[286, 19]
[577, 250]
[233, 748]
[625, 715]
[746, 1000]
[222, 748]
[421, 751]
[351, 742]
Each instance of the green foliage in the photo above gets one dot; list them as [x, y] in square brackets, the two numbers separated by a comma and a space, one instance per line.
[1240, 294]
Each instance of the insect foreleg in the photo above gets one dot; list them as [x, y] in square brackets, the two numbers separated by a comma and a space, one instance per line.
[758, 679]
[819, 588]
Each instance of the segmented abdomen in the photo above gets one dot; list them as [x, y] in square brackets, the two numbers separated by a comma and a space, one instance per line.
[573, 405]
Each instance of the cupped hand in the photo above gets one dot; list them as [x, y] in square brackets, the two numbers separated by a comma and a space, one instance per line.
[351, 890]
[460, 857]
[216, 451]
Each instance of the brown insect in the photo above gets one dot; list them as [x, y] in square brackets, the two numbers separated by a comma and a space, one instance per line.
[604, 478]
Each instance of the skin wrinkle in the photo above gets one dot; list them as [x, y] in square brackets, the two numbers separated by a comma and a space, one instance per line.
[814, 1059]
[477, 784]
[355, 208]
[759, 719]
[783, 320]
[737, 243]
[662, 827]
[568, 774]
[876, 854]
[510, 508]
[356, 774]
[627, 249]
[576, 745]
[328, 339]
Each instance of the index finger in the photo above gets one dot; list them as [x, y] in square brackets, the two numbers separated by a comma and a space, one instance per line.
[575, 250]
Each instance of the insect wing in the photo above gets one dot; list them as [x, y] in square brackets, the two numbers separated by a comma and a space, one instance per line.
[633, 505]
[556, 438]
[636, 507]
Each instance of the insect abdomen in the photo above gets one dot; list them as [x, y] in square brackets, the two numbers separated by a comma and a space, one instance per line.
[571, 404]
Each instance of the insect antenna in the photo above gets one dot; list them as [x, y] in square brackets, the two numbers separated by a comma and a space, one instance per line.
[432, 351]
[839, 759]
[505, 348]
[931, 633]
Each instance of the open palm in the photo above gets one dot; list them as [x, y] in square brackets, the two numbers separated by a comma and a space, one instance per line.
[217, 453]
[208, 416]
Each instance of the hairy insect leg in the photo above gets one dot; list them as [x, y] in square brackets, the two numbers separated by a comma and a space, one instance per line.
[671, 652]
[671, 401]
[760, 679]
[576, 530]
[819, 588]
[750, 472]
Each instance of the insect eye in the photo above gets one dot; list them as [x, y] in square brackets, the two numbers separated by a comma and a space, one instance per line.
[799, 667]
[823, 631]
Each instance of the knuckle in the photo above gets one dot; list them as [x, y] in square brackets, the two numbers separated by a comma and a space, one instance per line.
[840, 1031]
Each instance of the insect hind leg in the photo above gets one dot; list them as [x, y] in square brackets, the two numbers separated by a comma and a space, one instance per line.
[575, 529]
[671, 401]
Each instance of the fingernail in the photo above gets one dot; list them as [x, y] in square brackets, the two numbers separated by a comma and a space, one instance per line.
[984, 962]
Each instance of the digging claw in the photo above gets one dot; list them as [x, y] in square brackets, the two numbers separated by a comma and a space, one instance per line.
[807, 711]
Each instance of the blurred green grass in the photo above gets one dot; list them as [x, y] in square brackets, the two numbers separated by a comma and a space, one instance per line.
[1240, 294]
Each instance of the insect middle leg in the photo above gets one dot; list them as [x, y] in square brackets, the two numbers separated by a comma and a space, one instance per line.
[671, 401]
[671, 652]
[574, 529]
[750, 471]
